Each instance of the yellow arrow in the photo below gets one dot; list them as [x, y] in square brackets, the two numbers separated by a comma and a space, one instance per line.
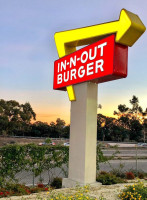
[128, 29]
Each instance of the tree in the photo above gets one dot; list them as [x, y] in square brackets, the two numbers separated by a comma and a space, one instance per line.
[59, 129]
[104, 127]
[136, 130]
[54, 133]
[60, 124]
[15, 117]
[135, 112]
[66, 131]
[40, 129]
[131, 118]
[3, 125]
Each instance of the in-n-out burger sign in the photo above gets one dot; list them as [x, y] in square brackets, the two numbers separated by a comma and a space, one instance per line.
[99, 62]
[103, 60]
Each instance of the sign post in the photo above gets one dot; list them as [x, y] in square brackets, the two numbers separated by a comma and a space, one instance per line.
[105, 59]
[83, 134]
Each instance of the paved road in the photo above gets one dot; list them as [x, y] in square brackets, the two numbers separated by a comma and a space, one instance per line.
[27, 177]
[126, 152]
[128, 164]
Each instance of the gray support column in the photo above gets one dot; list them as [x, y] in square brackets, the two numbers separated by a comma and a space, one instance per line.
[83, 132]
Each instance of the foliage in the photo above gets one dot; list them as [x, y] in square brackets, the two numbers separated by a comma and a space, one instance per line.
[130, 175]
[135, 112]
[15, 158]
[74, 194]
[11, 161]
[141, 175]
[15, 189]
[137, 191]
[132, 118]
[138, 172]
[135, 130]
[80, 193]
[57, 183]
[39, 129]
[15, 117]
[118, 171]
[104, 127]
[109, 129]
[48, 140]
[100, 158]
[108, 179]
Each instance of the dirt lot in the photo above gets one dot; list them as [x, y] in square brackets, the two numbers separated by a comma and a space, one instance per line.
[15, 140]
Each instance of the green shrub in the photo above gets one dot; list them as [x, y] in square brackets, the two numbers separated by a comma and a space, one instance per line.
[141, 175]
[118, 174]
[119, 171]
[137, 191]
[57, 183]
[109, 179]
[48, 140]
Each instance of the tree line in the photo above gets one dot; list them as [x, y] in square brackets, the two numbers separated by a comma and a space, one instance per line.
[15, 120]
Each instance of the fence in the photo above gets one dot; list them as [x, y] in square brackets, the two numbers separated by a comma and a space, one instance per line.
[35, 162]
[31, 164]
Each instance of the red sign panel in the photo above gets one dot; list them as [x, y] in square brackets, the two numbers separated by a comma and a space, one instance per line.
[99, 62]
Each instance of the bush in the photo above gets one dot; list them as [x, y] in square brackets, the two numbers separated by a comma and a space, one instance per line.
[40, 185]
[137, 191]
[141, 175]
[119, 171]
[103, 172]
[108, 179]
[48, 140]
[57, 183]
[130, 175]
[15, 189]
[135, 172]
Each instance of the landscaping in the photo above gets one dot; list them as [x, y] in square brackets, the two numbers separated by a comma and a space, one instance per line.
[15, 189]
[36, 159]
[130, 191]
[136, 191]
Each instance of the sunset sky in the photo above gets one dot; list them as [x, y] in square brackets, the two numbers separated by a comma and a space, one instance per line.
[28, 52]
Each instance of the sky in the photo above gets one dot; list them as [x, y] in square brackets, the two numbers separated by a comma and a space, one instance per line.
[28, 52]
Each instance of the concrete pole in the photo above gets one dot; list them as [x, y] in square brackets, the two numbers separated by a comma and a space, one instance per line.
[83, 136]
